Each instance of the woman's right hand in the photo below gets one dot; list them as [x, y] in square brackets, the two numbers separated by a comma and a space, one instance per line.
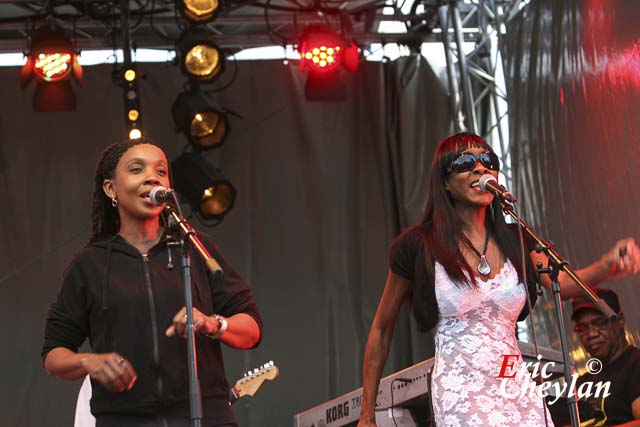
[111, 370]
[366, 423]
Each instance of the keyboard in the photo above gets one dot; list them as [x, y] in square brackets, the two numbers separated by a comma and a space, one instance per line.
[397, 394]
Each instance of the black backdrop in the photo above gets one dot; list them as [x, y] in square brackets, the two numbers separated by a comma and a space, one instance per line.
[574, 98]
[322, 190]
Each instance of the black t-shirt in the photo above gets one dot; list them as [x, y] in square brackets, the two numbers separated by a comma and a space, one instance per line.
[624, 374]
[407, 259]
[405, 250]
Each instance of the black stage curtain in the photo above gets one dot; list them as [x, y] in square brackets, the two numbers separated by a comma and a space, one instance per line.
[323, 188]
[574, 96]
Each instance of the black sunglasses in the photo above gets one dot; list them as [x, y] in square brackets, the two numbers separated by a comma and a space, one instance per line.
[467, 161]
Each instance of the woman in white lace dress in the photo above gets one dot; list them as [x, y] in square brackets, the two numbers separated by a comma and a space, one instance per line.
[460, 270]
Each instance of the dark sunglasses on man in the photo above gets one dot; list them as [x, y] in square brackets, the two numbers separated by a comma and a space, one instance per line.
[467, 161]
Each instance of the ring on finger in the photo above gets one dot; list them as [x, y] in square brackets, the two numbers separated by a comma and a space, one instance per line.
[121, 361]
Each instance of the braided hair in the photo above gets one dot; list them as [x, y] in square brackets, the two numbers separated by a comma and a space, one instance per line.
[105, 221]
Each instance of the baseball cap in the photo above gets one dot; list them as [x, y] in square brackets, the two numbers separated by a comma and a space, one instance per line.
[583, 302]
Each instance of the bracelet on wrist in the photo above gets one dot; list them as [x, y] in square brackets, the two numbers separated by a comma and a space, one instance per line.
[222, 327]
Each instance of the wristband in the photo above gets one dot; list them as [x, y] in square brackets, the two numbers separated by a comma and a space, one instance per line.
[222, 327]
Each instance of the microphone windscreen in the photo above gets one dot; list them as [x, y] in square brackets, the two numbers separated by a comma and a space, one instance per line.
[484, 179]
[157, 194]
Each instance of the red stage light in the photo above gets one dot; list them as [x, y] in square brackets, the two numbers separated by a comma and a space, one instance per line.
[52, 59]
[324, 51]
[321, 58]
[53, 66]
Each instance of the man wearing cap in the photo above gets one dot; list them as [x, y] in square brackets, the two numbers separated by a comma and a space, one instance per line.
[605, 339]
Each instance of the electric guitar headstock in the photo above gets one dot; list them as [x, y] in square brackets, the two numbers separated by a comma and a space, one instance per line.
[253, 380]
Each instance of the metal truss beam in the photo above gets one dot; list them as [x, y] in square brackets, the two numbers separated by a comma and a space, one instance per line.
[478, 97]
[238, 41]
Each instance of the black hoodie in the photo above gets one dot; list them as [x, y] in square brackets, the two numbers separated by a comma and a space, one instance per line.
[123, 302]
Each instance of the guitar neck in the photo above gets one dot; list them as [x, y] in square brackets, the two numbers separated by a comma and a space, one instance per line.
[233, 395]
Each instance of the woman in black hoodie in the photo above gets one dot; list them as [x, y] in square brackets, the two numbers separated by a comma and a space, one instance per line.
[123, 294]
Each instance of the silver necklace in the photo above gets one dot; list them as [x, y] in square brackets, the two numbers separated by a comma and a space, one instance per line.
[483, 265]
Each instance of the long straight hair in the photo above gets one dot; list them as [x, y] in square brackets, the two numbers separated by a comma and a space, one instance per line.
[443, 227]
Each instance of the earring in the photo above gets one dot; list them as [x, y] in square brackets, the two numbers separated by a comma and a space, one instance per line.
[114, 201]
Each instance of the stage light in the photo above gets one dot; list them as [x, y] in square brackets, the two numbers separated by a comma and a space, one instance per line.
[135, 133]
[320, 57]
[199, 11]
[323, 54]
[127, 78]
[197, 117]
[200, 58]
[322, 50]
[204, 187]
[130, 75]
[133, 115]
[53, 67]
[52, 60]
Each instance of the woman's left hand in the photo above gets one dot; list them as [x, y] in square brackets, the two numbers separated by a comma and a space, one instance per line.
[622, 259]
[201, 323]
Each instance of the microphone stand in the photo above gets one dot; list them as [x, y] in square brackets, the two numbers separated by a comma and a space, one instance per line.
[189, 235]
[555, 264]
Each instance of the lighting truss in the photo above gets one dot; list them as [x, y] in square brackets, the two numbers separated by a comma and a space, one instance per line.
[478, 96]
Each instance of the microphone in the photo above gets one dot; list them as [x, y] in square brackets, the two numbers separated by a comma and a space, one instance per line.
[489, 184]
[159, 195]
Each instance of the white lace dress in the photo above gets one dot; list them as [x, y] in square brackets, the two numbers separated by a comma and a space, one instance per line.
[475, 329]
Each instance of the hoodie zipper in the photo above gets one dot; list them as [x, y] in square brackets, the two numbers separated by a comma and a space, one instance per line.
[154, 322]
